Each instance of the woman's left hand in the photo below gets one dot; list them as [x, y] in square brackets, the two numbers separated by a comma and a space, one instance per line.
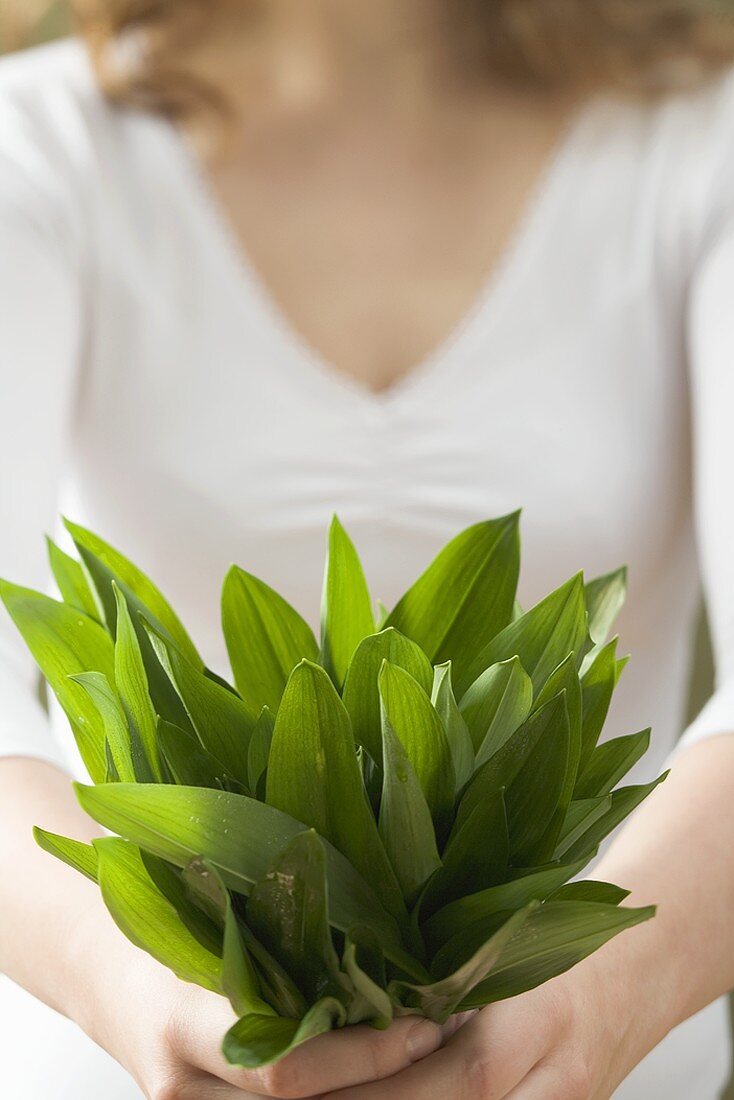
[558, 1042]
[574, 1038]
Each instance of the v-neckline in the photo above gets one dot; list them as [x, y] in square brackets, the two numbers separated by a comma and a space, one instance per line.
[439, 362]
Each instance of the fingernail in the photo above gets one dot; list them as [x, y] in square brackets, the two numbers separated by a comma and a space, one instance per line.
[423, 1038]
[455, 1023]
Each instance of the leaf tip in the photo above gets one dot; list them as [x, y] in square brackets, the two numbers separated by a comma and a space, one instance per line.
[74, 529]
[84, 793]
[335, 524]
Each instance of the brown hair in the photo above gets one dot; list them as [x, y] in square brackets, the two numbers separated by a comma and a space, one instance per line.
[640, 45]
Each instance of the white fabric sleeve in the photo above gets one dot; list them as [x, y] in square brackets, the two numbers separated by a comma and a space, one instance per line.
[711, 367]
[40, 308]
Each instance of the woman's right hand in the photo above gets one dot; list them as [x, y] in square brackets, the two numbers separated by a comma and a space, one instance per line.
[58, 941]
[167, 1033]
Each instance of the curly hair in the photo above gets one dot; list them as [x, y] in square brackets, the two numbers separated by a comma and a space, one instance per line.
[642, 46]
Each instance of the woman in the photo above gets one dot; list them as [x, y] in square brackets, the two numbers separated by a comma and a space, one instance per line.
[418, 263]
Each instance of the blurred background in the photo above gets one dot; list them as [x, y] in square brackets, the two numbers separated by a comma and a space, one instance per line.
[23, 22]
[26, 23]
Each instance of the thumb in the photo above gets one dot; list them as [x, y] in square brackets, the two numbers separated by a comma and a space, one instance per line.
[341, 1059]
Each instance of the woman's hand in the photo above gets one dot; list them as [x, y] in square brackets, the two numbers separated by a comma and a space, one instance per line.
[567, 1040]
[168, 1034]
[555, 1043]
[575, 1038]
[188, 1065]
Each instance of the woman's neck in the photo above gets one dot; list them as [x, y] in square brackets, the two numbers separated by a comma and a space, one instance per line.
[280, 58]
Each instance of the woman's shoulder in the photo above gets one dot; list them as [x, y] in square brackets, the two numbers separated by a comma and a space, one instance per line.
[48, 92]
[702, 117]
[694, 121]
[49, 110]
[61, 141]
[35, 73]
[675, 154]
[694, 131]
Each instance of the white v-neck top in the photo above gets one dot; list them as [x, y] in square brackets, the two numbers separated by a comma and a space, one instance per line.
[151, 389]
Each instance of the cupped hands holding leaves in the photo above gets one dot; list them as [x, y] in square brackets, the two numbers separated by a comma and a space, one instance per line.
[375, 827]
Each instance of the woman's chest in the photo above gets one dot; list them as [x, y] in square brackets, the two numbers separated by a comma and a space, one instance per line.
[210, 433]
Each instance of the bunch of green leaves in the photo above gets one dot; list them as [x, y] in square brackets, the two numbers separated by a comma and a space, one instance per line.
[384, 820]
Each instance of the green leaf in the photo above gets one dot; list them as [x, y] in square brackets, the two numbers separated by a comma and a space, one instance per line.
[502, 769]
[581, 815]
[240, 982]
[589, 890]
[605, 598]
[420, 731]
[541, 638]
[555, 937]
[279, 989]
[288, 912]
[148, 919]
[65, 642]
[256, 1041]
[190, 764]
[346, 608]
[532, 766]
[258, 752]
[110, 710]
[105, 565]
[624, 802]
[238, 835]
[109, 570]
[476, 856]
[111, 775]
[533, 798]
[170, 883]
[131, 681]
[496, 704]
[364, 965]
[466, 596]
[597, 687]
[361, 694]
[82, 857]
[71, 581]
[266, 638]
[438, 1000]
[205, 887]
[565, 678]
[457, 732]
[482, 907]
[610, 762]
[314, 776]
[405, 822]
[219, 718]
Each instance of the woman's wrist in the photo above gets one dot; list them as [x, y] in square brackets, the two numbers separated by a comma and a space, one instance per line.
[637, 983]
[110, 981]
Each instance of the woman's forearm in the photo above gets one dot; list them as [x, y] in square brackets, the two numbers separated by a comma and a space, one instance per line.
[43, 905]
[677, 852]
